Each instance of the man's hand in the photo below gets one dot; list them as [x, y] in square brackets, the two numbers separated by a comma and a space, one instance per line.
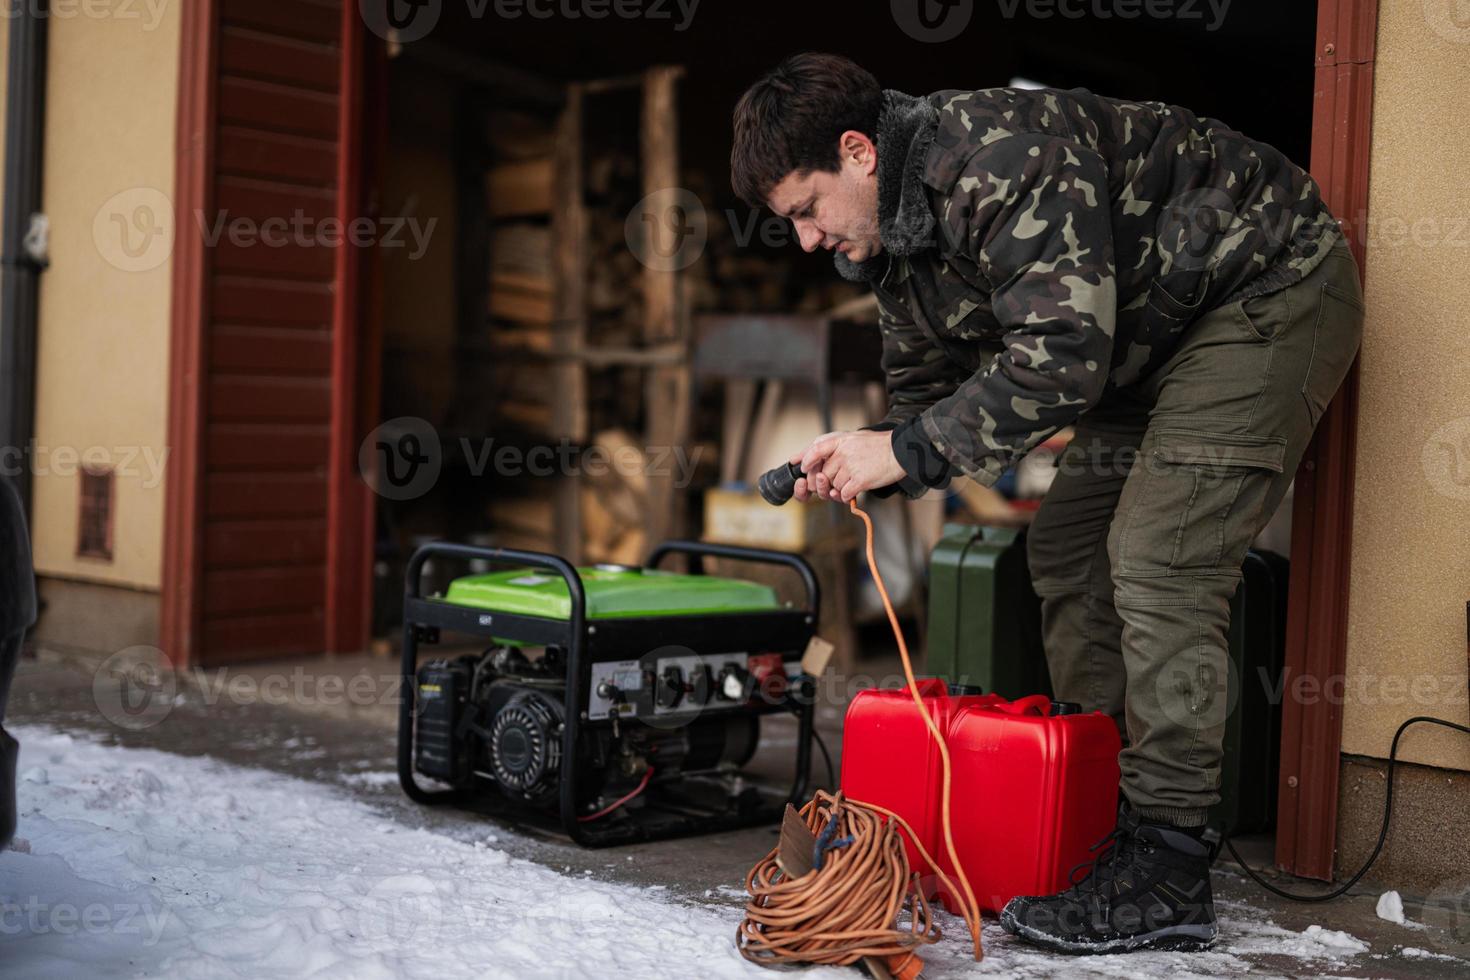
[841, 465]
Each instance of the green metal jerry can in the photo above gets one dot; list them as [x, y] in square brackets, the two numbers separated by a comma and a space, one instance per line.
[985, 632]
[984, 617]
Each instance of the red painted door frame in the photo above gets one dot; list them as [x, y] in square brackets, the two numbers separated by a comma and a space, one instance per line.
[1322, 516]
[349, 502]
[182, 574]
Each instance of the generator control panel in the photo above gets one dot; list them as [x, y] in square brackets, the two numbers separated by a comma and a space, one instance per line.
[685, 683]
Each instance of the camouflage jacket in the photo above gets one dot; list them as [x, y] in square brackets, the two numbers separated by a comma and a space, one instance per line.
[1042, 247]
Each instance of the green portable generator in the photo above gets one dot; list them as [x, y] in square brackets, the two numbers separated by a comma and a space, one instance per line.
[618, 702]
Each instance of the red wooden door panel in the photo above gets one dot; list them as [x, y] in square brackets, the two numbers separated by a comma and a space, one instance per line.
[257, 411]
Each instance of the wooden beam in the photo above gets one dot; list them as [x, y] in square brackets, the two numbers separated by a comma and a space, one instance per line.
[569, 326]
[1322, 513]
[348, 613]
[510, 85]
[666, 388]
[181, 592]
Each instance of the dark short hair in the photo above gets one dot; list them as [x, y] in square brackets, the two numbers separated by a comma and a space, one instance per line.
[791, 119]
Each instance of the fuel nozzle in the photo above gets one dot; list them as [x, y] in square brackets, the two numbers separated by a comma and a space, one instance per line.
[779, 484]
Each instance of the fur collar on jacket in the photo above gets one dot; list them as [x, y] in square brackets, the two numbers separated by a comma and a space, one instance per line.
[906, 128]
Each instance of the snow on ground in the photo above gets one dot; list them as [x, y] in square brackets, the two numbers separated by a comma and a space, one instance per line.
[1391, 907]
[134, 862]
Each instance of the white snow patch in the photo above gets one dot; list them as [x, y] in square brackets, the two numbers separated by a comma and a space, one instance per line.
[370, 780]
[1335, 939]
[145, 863]
[1413, 952]
[1391, 907]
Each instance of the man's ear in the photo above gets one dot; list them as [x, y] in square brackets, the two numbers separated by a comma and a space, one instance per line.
[854, 147]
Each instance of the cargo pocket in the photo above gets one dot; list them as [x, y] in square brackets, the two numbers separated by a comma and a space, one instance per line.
[1201, 502]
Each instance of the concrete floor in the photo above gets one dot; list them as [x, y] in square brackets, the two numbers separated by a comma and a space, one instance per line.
[312, 720]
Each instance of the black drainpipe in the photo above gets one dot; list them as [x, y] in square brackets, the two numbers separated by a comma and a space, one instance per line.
[22, 253]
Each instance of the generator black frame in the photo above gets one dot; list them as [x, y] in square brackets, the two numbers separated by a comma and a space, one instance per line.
[585, 643]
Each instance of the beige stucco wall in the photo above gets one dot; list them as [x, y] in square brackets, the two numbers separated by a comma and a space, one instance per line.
[1411, 536]
[102, 377]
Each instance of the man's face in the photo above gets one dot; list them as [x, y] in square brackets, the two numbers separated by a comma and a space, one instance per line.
[836, 210]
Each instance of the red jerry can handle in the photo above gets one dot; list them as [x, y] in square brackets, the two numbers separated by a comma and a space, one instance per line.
[931, 687]
[1038, 704]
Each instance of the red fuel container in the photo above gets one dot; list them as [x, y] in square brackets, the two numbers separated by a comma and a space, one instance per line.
[1031, 789]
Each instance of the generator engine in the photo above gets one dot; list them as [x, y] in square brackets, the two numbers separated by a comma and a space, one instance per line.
[498, 718]
[615, 703]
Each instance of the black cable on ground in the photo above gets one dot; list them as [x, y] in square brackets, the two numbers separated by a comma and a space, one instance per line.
[831, 772]
[1393, 752]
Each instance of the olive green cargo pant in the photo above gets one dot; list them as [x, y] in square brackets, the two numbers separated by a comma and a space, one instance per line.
[1138, 546]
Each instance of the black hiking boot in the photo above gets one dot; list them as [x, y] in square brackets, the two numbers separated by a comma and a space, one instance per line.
[1148, 888]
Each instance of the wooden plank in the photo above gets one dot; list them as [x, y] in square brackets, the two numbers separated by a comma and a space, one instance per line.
[531, 418]
[260, 637]
[535, 340]
[735, 427]
[522, 307]
[259, 259]
[523, 187]
[277, 108]
[262, 398]
[253, 54]
[523, 282]
[259, 200]
[522, 297]
[290, 18]
[275, 541]
[273, 302]
[236, 349]
[521, 248]
[236, 446]
[252, 591]
[275, 156]
[256, 494]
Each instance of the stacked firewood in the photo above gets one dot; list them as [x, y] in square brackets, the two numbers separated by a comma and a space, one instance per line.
[614, 500]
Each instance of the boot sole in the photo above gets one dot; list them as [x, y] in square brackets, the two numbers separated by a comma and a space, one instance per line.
[1183, 939]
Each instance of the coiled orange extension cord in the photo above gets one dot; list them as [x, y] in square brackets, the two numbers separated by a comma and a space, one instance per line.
[850, 908]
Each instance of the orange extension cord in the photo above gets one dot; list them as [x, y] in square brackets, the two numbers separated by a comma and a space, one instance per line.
[850, 908]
